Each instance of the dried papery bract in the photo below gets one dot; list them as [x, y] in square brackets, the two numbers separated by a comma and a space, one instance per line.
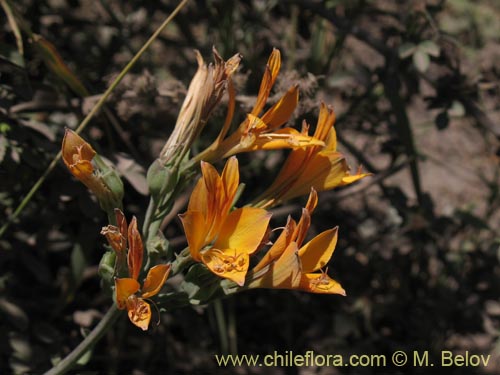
[204, 93]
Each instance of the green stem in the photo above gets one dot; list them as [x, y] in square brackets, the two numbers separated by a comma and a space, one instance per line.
[87, 344]
[91, 114]
[150, 212]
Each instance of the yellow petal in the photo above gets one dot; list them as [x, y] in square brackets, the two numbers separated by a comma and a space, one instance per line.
[199, 198]
[135, 250]
[227, 263]
[279, 246]
[124, 288]
[194, 228]
[270, 74]
[155, 279]
[139, 312]
[284, 138]
[243, 230]
[320, 283]
[350, 179]
[317, 252]
[312, 201]
[280, 112]
[326, 119]
[230, 179]
[284, 273]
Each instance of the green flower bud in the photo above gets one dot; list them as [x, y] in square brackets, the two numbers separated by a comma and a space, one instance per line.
[161, 179]
[106, 268]
[115, 191]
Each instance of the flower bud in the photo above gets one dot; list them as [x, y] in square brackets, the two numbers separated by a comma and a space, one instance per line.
[161, 179]
[104, 181]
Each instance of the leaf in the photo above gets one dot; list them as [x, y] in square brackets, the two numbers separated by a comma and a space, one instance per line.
[406, 49]
[14, 313]
[85, 358]
[133, 172]
[200, 284]
[78, 263]
[456, 109]
[56, 64]
[421, 60]
[3, 147]
[430, 48]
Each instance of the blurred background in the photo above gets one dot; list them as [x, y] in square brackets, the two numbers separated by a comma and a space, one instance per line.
[415, 86]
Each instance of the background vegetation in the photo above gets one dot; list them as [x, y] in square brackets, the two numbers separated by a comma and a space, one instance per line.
[415, 88]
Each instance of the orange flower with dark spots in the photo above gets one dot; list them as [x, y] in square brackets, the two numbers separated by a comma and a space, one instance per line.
[289, 265]
[129, 294]
[221, 239]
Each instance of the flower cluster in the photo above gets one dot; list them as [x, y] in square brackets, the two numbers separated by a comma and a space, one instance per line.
[230, 248]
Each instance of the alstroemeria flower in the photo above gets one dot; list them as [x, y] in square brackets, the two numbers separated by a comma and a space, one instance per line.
[78, 155]
[289, 265]
[221, 239]
[129, 294]
[318, 167]
[264, 132]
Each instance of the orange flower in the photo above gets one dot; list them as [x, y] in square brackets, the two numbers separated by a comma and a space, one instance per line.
[77, 155]
[129, 294]
[289, 265]
[221, 239]
[261, 133]
[104, 182]
[318, 167]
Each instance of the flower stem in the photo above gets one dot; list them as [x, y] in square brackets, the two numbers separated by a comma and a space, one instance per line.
[87, 344]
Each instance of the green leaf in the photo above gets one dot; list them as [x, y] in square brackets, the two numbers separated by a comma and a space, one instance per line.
[456, 109]
[430, 48]
[421, 60]
[200, 284]
[78, 263]
[406, 49]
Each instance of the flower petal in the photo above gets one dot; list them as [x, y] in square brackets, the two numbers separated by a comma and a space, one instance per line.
[230, 180]
[124, 288]
[155, 279]
[228, 264]
[280, 112]
[75, 148]
[279, 246]
[320, 283]
[270, 74]
[139, 312]
[282, 274]
[243, 230]
[195, 230]
[135, 250]
[317, 252]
